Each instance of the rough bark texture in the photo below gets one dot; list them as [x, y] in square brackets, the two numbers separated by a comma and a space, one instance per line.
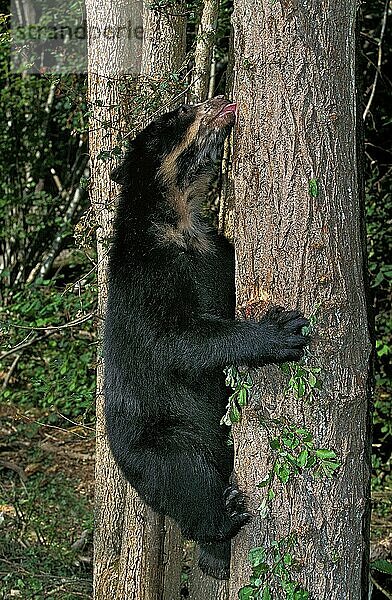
[164, 40]
[295, 85]
[202, 587]
[204, 50]
[173, 553]
[164, 46]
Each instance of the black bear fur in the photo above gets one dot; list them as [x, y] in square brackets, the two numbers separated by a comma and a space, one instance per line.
[170, 331]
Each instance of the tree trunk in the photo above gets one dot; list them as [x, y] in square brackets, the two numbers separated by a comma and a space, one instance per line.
[164, 47]
[133, 557]
[204, 50]
[164, 40]
[298, 229]
[128, 539]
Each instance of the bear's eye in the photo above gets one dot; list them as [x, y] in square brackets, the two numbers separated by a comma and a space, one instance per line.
[183, 110]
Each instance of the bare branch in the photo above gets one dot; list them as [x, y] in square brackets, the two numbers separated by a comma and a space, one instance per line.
[20, 346]
[49, 329]
[11, 370]
[379, 59]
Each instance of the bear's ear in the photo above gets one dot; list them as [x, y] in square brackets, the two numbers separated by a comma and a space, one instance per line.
[119, 174]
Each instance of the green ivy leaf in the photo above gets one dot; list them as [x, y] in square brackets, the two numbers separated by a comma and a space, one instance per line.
[283, 472]
[313, 187]
[290, 440]
[301, 595]
[246, 593]
[302, 432]
[275, 443]
[300, 387]
[312, 379]
[311, 461]
[259, 571]
[263, 508]
[302, 458]
[256, 556]
[384, 566]
[234, 413]
[324, 453]
[242, 397]
[329, 467]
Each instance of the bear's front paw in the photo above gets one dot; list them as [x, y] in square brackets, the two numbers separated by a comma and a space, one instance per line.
[283, 334]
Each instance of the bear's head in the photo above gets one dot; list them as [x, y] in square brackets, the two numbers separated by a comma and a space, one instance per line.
[181, 146]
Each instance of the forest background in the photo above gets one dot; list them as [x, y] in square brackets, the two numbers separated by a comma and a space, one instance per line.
[48, 314]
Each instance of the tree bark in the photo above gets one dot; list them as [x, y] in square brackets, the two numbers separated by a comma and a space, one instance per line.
[204, 50]
[128, 538]
[202, 587]
[164, 40]
[298, 229]
[136, 554]
[164, 47]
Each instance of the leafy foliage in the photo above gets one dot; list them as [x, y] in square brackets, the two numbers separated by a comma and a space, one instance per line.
[384, 566]
[42, 156]
[240, 382]
[273, 573]
[378, 188]
[293, 451]
[56, 371]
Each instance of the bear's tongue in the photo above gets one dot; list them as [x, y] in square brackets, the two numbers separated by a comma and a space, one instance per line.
[229, 108]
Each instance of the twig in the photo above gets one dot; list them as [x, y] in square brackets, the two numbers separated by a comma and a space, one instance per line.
[11, 370]
[22, 345]
[62, 429]
[379, 59]
[380, 588]
[51, 328]
[74, 422]
[64, 588]
[59, 588]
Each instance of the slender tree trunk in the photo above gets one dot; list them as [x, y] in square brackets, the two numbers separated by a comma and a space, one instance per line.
[299, 242]
[164, 47]
[137, 554]
[128, 539]
[204, 50]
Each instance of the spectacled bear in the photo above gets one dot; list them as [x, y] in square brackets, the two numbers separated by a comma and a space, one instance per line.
[170, 330]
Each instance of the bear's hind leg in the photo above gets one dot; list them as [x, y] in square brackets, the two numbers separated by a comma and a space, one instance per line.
[187, 486]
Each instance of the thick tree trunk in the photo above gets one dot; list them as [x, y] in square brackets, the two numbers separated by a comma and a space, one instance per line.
[164, 40]
[299, 242]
